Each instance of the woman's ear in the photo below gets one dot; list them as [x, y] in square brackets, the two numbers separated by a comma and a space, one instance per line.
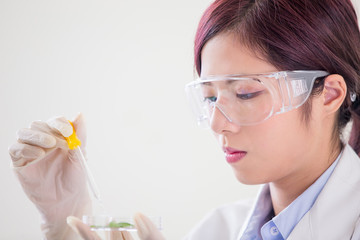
[334, 92]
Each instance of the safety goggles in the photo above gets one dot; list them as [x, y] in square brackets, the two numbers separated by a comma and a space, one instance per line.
[250, 99]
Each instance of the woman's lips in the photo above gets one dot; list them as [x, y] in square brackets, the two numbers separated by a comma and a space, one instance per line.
[233, 155]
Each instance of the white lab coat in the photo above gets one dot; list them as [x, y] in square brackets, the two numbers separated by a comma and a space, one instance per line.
[334, 216]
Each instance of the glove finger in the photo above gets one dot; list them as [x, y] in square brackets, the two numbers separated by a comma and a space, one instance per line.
[146, 228]
[35, 138]
[81, 229]
[60, 124]
[124, 235]
[114, 235]
[22, 154]
[80, 127]
[127, 235]
[45, 128]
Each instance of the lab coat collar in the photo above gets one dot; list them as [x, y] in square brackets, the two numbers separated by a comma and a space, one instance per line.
[337, 208]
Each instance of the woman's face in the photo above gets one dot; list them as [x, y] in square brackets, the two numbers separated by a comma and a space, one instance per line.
[274, 150]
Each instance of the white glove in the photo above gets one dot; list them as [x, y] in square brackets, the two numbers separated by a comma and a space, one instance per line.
[146, 230]
[50, 174]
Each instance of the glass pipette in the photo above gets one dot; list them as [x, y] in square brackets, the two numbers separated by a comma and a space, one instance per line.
[74, 144]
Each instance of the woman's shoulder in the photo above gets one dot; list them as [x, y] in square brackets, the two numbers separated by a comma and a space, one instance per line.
[223, 222]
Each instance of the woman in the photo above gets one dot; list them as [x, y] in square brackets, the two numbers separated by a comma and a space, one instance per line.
[279, 81]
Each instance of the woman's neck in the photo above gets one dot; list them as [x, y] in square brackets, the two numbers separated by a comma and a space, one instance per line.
[286, 190]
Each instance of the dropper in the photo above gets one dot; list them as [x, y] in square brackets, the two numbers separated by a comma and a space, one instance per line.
[74, 144]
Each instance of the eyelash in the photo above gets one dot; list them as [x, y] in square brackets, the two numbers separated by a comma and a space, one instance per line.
[248, 96]
[210, 99]
[245, 96]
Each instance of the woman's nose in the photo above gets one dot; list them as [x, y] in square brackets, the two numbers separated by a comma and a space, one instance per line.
[220, 121]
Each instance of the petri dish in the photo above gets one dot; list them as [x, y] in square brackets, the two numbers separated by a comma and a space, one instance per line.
[105, 223]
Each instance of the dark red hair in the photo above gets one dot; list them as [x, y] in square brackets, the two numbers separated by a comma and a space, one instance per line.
[295, 35]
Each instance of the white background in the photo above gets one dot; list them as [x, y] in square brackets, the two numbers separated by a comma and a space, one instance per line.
[124, 65]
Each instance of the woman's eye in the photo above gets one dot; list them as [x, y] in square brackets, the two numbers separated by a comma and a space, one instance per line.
[210, 99]
[247, 96]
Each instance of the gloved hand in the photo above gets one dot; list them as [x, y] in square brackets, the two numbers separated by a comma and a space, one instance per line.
[146, 230]
[50, 174]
